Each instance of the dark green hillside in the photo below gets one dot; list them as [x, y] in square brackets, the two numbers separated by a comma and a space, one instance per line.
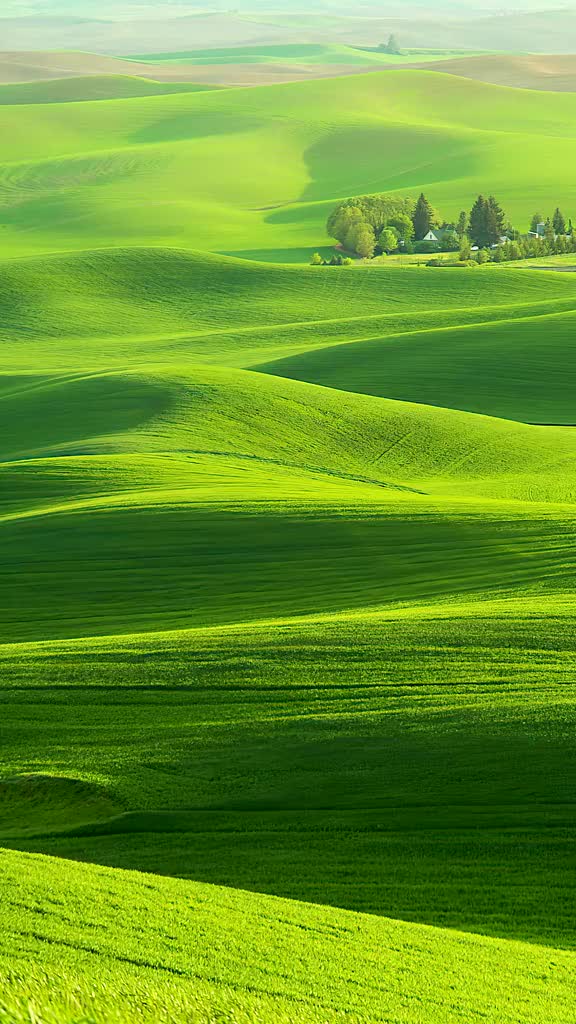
[522, 370]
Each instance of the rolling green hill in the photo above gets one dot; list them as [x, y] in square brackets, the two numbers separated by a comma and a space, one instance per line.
[93, 87]
[521, 369]
[298, 53]
[161, 950]
[258, 170]
[287, 573]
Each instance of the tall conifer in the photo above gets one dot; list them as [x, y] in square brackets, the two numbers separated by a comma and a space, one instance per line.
[423, 217]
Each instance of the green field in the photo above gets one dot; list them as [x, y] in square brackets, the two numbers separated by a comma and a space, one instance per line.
[257, 171]
[93, 87]
[297, 53]
[287, 627]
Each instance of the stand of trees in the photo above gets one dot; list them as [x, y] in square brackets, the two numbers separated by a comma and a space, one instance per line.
[391, 46]
[374, 224]
[522, 249]
[382, 224]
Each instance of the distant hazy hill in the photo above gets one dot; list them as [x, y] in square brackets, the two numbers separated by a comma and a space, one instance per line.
[127, 29]
[553, 72]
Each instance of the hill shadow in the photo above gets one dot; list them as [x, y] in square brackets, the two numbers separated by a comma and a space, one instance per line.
[352, 161]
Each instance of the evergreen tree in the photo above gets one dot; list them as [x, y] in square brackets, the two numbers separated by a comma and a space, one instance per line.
[498, 215]
[462, 225]
[486, 222]
[423, 218]
[392, 46]
[536, 220]
[558, 222]
[478, 218]
[493, 229]
[549, 231]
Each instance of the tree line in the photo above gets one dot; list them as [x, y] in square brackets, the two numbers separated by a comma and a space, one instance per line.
[382, 224]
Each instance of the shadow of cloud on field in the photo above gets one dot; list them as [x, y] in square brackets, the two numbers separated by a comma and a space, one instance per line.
[385, 158]
[190, 125]
[30, 803]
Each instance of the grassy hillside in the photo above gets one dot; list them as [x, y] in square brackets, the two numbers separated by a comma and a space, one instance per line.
[159, 945]
[28, 67]
[287, 599]
[259, 170]
[553, 72]
[307, 53]
[522, 369]
[94, 87]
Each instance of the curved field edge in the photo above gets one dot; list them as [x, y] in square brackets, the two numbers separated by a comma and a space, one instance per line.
[168, 950]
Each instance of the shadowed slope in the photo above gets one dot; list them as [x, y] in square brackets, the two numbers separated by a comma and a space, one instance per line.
[318, 475]
[523, 370]
[110, 307]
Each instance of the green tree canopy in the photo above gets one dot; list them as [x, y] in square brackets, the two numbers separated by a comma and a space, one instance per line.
[388, 240]
[497, 215]
[424, 217]
[402, 223]
[487, 220]
[559, 222]
[465, 251]
[462, 224]
[362, 240]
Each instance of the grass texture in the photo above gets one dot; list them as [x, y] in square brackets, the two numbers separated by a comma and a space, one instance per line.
[287, 607]
[259, 169]
[177, 951]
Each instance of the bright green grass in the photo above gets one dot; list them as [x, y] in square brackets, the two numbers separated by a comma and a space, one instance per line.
[304, 640]
[176, 951]
[259, 169]
[126, 307]
[282, 637]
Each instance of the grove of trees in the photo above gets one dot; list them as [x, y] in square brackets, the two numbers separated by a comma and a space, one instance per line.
[382, 224]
